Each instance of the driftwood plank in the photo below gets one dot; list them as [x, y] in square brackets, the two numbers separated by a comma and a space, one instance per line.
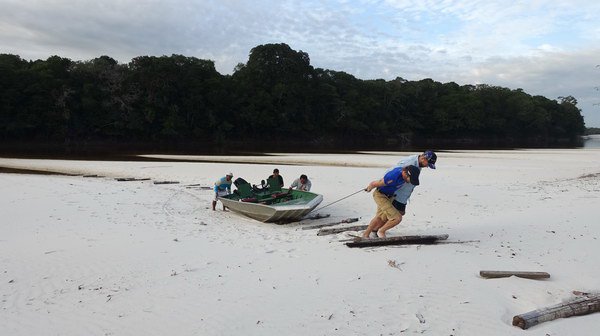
[200, 187]
[324, 232]
[575, 307]
[348, 220]
[166, 182]
[398, 240]
[129, 179]
[588, 294]
[520, 274]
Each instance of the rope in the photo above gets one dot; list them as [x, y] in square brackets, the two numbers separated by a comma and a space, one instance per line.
[341, 199]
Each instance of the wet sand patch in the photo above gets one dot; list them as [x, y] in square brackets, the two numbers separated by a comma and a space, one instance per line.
[9, 170]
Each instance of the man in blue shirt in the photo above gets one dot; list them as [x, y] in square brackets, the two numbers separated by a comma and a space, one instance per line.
[222, 188]
[387, 215]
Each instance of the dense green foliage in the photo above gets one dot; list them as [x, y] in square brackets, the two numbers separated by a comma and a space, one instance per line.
[276, 95]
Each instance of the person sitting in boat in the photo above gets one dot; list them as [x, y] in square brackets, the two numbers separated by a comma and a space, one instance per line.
[222, 188]
[277, 177]
[302, 183]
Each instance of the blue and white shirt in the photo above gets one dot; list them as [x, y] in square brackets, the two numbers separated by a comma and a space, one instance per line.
[222, 184]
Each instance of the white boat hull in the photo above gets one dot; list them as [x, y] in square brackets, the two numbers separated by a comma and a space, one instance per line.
[272, 213]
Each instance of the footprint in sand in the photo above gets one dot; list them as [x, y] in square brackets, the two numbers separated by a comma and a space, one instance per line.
[182, 204]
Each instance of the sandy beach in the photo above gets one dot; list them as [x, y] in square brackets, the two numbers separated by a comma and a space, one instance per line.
[95, 256]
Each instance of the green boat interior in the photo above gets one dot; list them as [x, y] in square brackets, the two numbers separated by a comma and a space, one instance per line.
[269, 193]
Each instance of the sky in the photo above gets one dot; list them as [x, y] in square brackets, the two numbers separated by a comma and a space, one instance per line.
[548, 48]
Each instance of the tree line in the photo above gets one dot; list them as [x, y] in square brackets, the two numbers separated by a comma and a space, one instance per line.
[275, 98]
[592, 130]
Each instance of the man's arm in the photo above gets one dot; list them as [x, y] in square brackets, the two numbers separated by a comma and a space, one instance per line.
[375, 184]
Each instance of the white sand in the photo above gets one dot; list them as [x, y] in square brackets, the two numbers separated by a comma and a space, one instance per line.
[93, 256]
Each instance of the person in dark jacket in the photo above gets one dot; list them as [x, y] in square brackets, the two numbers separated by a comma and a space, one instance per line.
[277, 176]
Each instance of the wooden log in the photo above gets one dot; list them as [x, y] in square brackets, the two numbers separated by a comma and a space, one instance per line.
[580, 293]
[520, 274]
[575, 307]
[348, 220]
[324, 232]
[398, 240]
[166, 182]
[129, 179]
[200, 187]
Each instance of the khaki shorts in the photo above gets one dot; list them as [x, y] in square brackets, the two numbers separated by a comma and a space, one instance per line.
[385, 209]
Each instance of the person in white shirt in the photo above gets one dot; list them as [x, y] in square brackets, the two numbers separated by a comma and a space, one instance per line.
[302, 183]
[427, 159]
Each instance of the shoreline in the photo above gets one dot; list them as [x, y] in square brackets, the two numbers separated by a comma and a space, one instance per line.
[358, 160]
[9, 170]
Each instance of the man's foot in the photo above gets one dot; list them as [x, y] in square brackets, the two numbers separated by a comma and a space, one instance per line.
[380, 234]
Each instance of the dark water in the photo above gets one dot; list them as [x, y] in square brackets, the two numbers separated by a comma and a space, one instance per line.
[129, 151]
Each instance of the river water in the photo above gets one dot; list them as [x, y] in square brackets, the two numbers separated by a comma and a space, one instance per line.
[592, 141]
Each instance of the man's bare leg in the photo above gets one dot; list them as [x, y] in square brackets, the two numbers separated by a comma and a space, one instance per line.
[388, 225]
[375, 224]
[214, 204]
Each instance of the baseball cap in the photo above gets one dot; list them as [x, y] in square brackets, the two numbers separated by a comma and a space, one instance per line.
[230, 174]
[413, 173]
[431, 158]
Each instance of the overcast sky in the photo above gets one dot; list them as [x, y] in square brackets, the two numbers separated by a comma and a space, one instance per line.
[549, 48]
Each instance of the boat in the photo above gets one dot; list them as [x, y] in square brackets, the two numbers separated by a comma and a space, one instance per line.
[270, 203]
